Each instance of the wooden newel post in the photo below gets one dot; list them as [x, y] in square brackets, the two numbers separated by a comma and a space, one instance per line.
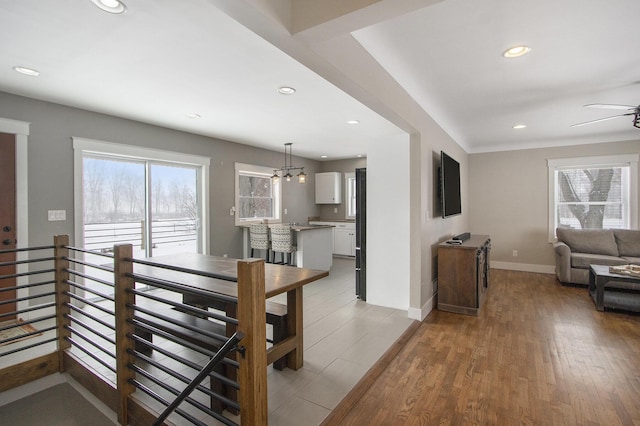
[251, 321]
[123, 283]
[61, 264]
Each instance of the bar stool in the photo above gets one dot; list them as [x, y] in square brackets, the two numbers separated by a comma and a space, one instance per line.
[259, 239]
[282, 242]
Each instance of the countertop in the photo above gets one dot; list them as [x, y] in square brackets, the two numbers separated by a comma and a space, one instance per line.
[332, 220]
[297, 228]
[310, 227]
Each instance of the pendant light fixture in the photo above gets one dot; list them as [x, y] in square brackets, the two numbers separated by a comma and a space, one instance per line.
[286, 169]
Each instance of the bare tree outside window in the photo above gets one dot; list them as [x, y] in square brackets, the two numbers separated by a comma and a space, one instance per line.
[114, 193]
[255, 197]
[590, 198]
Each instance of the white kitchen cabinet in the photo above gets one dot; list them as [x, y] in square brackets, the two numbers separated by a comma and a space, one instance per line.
[344, 237]
[344, 241]
[329, 188]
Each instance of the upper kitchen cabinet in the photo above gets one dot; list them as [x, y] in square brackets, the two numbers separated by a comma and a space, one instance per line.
[329, 188]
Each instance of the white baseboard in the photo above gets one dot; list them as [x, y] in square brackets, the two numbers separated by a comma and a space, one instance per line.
[421, 314]
[524, 267]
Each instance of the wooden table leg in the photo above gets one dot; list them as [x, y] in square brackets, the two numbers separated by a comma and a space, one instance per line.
[295, 358]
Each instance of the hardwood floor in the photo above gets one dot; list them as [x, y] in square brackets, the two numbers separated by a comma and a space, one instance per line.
[538, 353]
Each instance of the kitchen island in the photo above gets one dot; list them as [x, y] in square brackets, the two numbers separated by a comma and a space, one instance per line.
[314, 244]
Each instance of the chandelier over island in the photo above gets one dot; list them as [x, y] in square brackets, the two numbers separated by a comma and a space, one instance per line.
[287, 168]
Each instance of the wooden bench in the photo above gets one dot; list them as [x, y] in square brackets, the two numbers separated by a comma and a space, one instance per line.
[190, 336]
[276, 316]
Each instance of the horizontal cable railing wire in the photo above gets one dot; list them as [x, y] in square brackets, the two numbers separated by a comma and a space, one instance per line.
[174, 286]
[87, 251]
[187, 308]
[186, 270]
[146, 298]
[229, 346]
[90, 316]
[26, 311]
[133, 337]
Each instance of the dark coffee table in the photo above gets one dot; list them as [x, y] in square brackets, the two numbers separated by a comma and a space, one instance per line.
[614, 291]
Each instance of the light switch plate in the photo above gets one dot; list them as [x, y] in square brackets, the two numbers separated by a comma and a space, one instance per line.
[57, 215]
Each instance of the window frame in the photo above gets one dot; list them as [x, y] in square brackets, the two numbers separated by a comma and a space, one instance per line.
[83, 146]
[623, 160]
[350, 199]
[252, 169]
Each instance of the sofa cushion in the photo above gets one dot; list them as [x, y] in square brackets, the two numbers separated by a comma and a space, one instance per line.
[631, 260]
[596, 241]
[628, 241]
[583, 260]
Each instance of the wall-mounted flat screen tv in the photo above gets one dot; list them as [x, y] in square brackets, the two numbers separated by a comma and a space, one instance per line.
[449, 186]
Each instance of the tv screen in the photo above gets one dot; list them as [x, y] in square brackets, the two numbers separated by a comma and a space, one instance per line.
[449, 186]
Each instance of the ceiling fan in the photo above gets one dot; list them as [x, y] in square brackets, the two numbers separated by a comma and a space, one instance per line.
[632, 110]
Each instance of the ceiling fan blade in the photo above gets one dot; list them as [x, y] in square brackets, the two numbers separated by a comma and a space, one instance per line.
[601, 119]
[610, 106]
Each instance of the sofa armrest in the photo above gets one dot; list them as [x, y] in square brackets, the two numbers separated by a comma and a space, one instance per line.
[563, 261]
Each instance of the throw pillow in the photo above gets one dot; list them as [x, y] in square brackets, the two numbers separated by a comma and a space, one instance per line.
[595, 241]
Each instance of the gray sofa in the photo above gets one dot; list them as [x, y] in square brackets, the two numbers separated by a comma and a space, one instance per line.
[576, 249]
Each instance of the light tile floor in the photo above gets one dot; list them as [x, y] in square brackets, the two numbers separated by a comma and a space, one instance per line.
[344, 337]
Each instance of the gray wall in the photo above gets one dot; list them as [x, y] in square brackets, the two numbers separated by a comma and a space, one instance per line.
[508, 198]
[51, 167]
[343, 166]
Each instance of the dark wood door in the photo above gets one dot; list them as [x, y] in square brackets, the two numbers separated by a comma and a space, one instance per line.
[7, 219]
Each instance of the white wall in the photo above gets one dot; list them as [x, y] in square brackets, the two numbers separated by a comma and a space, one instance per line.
[388, 223]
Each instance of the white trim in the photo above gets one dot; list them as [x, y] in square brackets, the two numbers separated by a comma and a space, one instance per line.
[422, 313]
[524, 267]
[347, 192]
[608, 160]
[14, 127]
[91, 146]
[21, 131]
[137, 152]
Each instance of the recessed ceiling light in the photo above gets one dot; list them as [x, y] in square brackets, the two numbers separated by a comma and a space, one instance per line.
[27, 71]
[353, 122]
[516, 51]
[323, 156]
[359, 155]
[111, 6]
[193, 115]
[286, 90]
[519, 126]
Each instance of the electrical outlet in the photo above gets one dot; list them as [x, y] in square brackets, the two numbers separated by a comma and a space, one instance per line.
[335, 210]
[285, 211]
[514, 253]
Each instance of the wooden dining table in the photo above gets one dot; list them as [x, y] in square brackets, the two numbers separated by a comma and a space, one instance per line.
[279, 279]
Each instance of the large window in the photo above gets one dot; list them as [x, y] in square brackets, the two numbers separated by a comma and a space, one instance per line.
[593, 192]
[154, 200]
[257, 197]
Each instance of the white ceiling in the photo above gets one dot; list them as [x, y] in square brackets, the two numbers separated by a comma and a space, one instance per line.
[449, 58]
[165, 59]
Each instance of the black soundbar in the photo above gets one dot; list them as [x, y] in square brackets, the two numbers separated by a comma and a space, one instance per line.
[462, 237]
